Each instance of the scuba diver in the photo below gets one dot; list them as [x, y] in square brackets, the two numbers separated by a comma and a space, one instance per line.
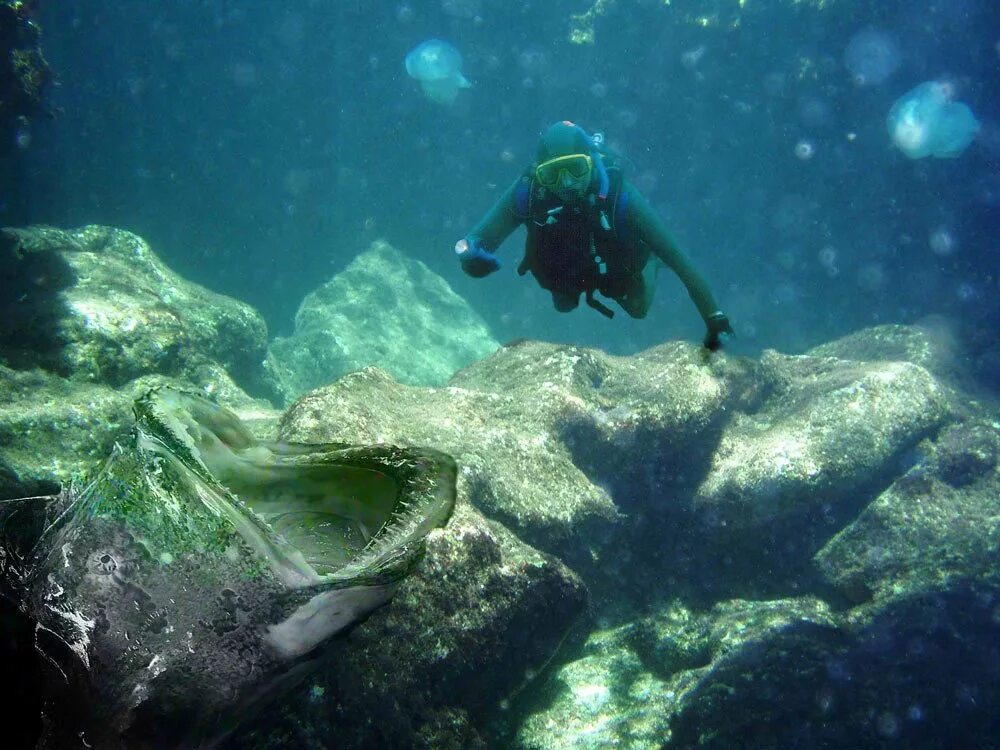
[589, 230]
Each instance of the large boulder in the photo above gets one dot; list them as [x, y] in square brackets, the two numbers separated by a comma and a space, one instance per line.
[836, 427]
[90, 319]
[473, 628]
[201, 567]
[790, 529]
[938, 522]
[631, 681]
[387, 310]
[541, 432]
[97, 304]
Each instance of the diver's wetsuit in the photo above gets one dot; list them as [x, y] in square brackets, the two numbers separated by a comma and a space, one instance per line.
[561, 255]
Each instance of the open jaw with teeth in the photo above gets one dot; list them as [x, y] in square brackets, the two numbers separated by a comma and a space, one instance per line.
[200, 560]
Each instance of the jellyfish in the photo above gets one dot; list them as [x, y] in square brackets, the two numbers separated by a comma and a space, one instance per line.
[926, 122]
[438, 67]
[871, 56]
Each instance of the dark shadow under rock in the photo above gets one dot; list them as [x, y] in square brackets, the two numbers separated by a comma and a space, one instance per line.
[921, 672]
[32, 305]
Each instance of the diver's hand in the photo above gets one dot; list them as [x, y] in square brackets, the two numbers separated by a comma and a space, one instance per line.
[717, 324]
[475, 260]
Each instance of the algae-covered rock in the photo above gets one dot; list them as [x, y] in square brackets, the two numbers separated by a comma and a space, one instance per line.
[192, 576]
[61, 428]
[937, 523]
[917, 674]
[631, 681]
[541, 432]
[695, 489]
[384, 310]
[474, 627]
[97, 304]
[605, 698]
[24, 72]
[833, 434]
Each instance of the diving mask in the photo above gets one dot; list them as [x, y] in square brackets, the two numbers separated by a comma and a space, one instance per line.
[576, 167]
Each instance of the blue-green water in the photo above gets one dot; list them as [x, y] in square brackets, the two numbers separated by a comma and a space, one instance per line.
[260, 146]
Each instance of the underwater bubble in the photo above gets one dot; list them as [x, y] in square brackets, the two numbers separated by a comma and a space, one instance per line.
[22, 136]
[461, 8]
[828, 257]
[598, 90]
[872, 56]
[244, 74]
[647, 181]
[292, 31]
[804, 150]
[692, 57]
[786, 294]
[533, 60]
[987, 190]
[872, 277]
[942, 242]
[966, 292]
[791, 215]
[507, 155]
[774, 84]
[627, 118]
[785, 259]
[814, 113]
[404, 13]
[887, 725]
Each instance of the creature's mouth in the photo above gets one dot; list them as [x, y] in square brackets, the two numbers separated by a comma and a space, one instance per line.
[316, 513]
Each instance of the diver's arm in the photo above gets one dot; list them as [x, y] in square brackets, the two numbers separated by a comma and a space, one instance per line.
[476, 251]
[499, 221]
[645, 226]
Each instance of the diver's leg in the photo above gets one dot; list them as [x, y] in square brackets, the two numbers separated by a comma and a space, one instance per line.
[639, 296]
[564, 302]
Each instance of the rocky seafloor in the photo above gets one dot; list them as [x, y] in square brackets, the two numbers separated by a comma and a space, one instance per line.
[671, 549]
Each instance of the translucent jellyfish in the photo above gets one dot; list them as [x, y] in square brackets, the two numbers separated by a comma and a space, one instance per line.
[942, 242]
[438, 67]
[872, 56]
[926, 122]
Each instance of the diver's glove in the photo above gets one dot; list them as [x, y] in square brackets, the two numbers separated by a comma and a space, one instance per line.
[717, 324]
[475, 260]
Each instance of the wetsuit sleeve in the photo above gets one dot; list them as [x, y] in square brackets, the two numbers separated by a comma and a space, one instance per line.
[499, 221]
[643, 225]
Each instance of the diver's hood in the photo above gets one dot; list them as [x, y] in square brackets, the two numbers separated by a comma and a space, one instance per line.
[200, 564]
[562, 139]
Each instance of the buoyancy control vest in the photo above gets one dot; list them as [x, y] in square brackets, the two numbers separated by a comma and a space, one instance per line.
[584, 248]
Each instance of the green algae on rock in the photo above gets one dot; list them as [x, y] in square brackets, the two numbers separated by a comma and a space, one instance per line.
[199, 566]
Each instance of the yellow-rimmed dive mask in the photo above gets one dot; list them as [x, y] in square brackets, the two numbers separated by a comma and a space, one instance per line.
[577, 168]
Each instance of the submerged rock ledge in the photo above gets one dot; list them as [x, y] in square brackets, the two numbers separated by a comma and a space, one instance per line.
[799, 548]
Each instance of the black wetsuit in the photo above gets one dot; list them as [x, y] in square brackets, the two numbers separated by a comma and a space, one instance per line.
[599, 245]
